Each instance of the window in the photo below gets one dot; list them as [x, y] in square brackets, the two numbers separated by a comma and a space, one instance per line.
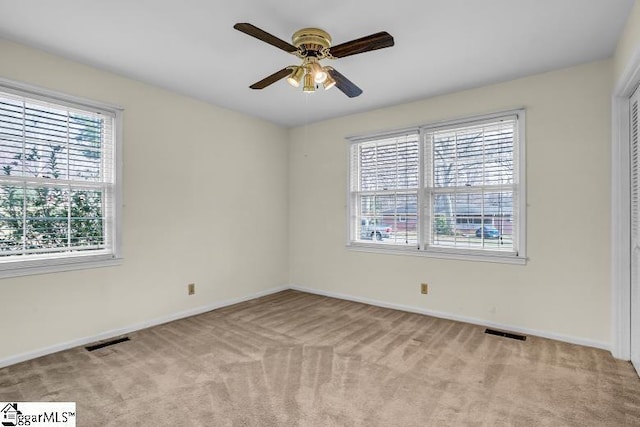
[58, 182]
[384, 193]
[452, 189]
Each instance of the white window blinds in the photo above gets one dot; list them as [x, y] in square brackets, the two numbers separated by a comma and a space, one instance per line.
[471, 173]
[451, 189]
[57, 178]
[385, 185]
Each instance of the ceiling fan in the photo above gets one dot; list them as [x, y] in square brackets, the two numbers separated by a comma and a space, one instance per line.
[313, 45]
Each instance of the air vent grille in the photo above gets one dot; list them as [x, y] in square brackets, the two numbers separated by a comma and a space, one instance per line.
[506, 334]
[104, 344]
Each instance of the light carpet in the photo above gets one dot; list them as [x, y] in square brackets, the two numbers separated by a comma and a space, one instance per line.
[296, 359]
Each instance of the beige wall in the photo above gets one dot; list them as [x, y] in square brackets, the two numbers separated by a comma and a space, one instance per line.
[629, 41]
[193, 177]
[563, 290]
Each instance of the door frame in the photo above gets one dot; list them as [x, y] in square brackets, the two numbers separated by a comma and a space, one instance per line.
[621, 209]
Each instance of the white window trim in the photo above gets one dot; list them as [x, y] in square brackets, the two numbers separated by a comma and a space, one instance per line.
[51, 263]
[445, 253]
[621, 209]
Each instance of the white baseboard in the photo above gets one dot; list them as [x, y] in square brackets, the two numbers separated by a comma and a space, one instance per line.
[449, 316]
[12, 360]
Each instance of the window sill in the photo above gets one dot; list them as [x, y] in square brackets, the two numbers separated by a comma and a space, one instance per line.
[438, 253]
[55, 265]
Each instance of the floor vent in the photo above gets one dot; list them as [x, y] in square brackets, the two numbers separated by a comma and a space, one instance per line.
[104, 344]
[505, 334]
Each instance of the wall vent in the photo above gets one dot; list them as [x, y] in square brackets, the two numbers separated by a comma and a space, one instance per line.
[505, 334]
[104, 344]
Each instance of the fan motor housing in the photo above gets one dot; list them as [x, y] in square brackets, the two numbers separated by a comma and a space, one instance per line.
[311, 39]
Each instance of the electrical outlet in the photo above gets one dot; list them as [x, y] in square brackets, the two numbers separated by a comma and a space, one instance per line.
[424, 288]
[191, 288]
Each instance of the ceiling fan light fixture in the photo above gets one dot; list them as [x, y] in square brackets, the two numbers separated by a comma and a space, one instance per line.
[309, 84]
[319, 74]
[329, 82]
[296, 77]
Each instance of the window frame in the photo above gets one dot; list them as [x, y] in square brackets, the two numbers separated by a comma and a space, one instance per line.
[50, 263]
[518, 256]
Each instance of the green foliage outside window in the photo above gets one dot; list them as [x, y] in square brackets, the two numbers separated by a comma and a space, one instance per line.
[55, 214]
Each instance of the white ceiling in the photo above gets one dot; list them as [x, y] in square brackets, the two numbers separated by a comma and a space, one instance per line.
[190, 46]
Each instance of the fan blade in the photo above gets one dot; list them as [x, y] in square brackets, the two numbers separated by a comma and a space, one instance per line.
[344, 84]
[273, 78]
[256, 32]
[365, 44]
